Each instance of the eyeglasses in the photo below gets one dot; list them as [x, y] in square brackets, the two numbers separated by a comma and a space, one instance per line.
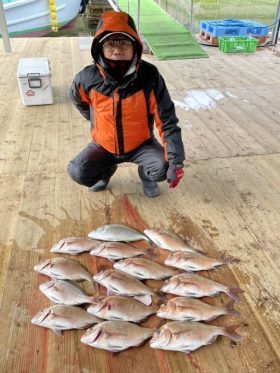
[111, 44]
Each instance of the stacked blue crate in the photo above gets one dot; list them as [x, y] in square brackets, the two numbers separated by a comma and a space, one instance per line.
[234, 27]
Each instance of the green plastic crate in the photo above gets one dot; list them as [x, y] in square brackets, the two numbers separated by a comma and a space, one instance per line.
[238, 44]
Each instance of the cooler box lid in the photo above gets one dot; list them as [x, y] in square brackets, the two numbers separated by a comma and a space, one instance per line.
[30, 66]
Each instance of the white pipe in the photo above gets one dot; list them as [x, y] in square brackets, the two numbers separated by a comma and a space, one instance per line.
[114, 6]
[4, 30]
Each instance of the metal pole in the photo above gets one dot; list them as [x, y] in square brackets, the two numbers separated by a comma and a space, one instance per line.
[275, 31]
[138, 16]
[191, 19]
[4, 30]
[177, 5]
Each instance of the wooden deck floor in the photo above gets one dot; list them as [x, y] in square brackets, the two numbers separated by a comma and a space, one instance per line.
[228, 202]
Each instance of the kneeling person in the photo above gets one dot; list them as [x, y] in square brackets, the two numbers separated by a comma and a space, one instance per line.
[123, 97]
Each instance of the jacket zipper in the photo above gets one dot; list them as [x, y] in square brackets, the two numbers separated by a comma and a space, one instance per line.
[118, 121]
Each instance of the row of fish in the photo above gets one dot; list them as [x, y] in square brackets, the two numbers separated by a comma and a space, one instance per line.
[121, 307]
[120, 233]
[184, 336]
[118, 281]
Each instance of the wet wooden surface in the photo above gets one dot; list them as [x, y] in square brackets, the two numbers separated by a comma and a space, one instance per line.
[228, 202]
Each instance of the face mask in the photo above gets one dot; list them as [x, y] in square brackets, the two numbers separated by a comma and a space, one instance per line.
[118, 68]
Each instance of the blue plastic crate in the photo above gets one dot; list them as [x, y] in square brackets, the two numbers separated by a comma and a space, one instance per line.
[203, 25]
[233, 27]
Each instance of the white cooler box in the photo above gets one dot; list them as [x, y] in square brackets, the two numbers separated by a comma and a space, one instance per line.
[34, 78]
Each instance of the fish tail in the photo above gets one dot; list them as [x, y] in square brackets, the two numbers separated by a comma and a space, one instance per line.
[154, 308]
[161, 297]
[92, 298]
[232, 292]
[228, 259]
[159, 293]
[160, 323]
[96, 286]
[150, 252]
[229, 331]
[229, 309]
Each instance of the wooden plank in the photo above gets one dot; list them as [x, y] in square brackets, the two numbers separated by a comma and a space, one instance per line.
[227, 202]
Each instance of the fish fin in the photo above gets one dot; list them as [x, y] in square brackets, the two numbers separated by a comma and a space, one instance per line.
[116, 350]
[232, 292]
[57, 332]
[212, 339]
[177, 284]
[229, 331]
[111, 260]
[180, 271]
[111, 292]
[145, 299]
[194, 250]
[229, 309]
[200, 251]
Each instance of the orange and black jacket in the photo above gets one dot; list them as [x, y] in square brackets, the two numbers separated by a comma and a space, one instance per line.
[123, 113]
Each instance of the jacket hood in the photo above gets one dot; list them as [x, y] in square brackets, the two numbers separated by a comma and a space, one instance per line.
[115, 22]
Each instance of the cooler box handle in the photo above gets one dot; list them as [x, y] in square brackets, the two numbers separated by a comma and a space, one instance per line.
[34, 80]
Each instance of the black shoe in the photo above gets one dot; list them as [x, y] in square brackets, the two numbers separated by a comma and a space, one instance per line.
[102, 184]
[150, 188]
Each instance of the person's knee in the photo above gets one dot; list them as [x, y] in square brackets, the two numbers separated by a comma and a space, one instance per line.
[156, 173]
[77, 173]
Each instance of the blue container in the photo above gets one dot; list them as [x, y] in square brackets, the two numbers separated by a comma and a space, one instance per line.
[233, 27]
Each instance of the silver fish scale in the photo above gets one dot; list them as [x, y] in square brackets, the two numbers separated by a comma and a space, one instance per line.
[116, 335]
[122, 283]
[117, 232]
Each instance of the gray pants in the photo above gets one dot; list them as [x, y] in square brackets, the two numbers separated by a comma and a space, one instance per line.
[95, 163]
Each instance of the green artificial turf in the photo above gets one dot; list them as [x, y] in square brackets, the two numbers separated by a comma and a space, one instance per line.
[166, 38]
